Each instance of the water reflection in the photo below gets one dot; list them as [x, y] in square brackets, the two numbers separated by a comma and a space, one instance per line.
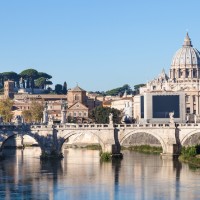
[81, 175]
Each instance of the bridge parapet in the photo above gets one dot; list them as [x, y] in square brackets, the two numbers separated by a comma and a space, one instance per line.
[182, 125]
[83, 126]
[155, 125]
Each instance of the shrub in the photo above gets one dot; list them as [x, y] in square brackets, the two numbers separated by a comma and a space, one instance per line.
[106, 156]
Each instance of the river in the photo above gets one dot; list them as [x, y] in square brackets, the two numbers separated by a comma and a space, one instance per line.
[81, 175]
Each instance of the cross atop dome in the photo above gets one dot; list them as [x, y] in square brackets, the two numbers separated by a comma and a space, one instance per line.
[187, 41]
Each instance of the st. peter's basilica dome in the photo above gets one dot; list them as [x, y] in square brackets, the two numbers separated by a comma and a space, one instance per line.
[186, 61]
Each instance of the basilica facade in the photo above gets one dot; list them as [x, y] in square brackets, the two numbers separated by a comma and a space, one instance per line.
[183, 80]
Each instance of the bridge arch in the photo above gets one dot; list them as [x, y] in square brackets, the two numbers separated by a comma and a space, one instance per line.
[78, 133]
[5, 139]
[130, 133]
[191, 139]
[35, 136]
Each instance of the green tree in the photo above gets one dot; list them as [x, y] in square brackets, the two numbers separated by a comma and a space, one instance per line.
[30, 75]
[40, 82]
[137, 88]
[100, 115]
[45, 75]
[120, 90]
[10, 76]
[27, 115]
[6, 109]
[36, 109]
[49, 83]
[64, 89]
[58, 89]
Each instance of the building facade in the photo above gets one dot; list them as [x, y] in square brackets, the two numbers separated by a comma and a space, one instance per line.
[184, 77]
[8, 89]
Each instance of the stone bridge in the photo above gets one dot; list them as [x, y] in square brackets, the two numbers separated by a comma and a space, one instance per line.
[111, 137]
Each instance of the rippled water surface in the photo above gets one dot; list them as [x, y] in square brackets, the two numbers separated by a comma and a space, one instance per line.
[81, 175]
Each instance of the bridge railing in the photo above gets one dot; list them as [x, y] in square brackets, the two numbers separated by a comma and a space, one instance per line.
[103, 126]
[155, 125]
[188, 124]
[83, 126]
[72, 126]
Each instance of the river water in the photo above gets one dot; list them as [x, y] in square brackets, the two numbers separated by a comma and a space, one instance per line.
[81, 175]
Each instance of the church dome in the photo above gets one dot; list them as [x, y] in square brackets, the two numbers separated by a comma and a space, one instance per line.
[186, 62]
[187, 56]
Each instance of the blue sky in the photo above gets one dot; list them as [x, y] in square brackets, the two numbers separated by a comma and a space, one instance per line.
[101, 44]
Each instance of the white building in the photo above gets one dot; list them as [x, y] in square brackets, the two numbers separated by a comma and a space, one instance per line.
[125, 105]
[183, 80]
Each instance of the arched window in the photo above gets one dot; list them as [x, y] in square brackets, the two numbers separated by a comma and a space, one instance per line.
[76, 97]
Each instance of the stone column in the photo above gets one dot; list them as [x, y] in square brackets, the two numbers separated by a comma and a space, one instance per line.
[184, 73]
[191, 103]
[171, 74]
[63, 116]
[177, 72]
[197, 104]
[63, 112]
[45, 115]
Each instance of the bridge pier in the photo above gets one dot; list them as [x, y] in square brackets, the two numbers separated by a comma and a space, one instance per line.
[53, 154]
[1, 155]
[172, 151]
[113, 149]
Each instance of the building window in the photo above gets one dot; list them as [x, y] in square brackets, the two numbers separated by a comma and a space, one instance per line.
[187, 73]
[76, 98]
[187, 110]
[194, 112]
[85, 114]
[74, 114]
[80, 114]
[187, 98]
[194, 73]
[154, 87]
[194, 98]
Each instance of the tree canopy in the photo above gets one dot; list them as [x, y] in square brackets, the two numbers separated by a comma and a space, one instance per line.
[45, 75]
[120, 90]
[40, 82]
[29, 78]
[35, 113]
[27, 73]
[137, 87]
[100, 115]
[58, 89]
[6, 109]
[64, 88]
[10, 75]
